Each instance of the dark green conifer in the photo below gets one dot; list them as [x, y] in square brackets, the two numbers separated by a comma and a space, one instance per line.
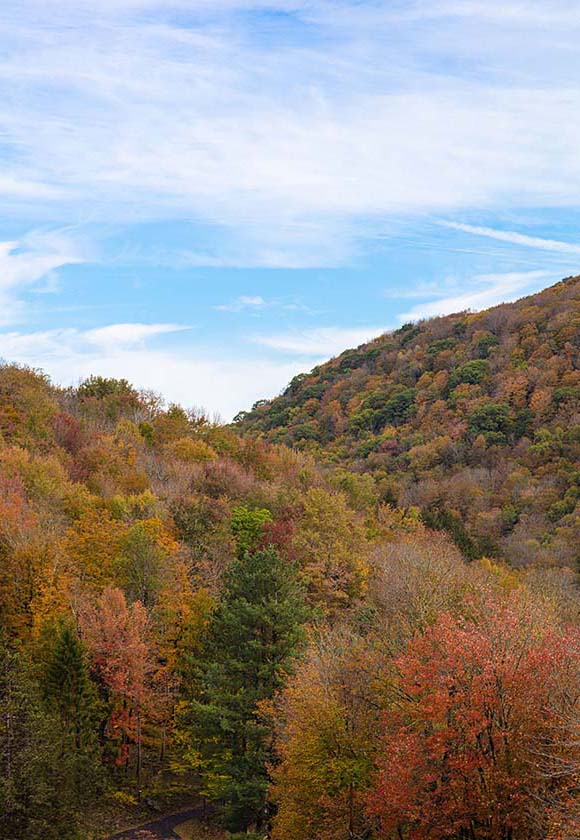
[252, 644]
[35, 781]
[71, 697]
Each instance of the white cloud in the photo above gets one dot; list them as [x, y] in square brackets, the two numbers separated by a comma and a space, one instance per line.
[251, 300]
[27, 262]
[320, 341]
[243, 302]
[287, 143]
[127, 335]
[480, 292]
[255, 304]
[69, 341]
[534, 12]
[20, 188]
[521, 12]
[515, 238]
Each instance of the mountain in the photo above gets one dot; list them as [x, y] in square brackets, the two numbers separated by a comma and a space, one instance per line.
[473, 418]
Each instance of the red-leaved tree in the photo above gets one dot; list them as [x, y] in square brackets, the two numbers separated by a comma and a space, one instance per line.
[117, 636]
[462, 754]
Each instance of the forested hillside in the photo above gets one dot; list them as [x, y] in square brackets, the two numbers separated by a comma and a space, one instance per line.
[473, 418]
[191, 614]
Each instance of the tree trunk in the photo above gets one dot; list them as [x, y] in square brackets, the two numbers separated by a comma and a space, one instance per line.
[139, 756]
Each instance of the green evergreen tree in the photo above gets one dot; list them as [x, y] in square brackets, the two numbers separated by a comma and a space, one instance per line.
[35, 800]
[254, 638]
[71, 696]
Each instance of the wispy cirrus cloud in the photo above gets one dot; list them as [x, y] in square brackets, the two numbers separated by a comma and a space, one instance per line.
[243, 302]
[515, 238]
[479, 292]
[289, 180]
[30, 264]
[129, 335]
[558, 13]
[319, 341]
[256, 304]
[69, 340]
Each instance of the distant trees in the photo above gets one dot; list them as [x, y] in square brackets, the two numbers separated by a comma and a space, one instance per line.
[331, 549]
[145, 561]
[247, 527]
[471, 396]
[471, 373]
[27, 407]
[112, 397]
[493, 421]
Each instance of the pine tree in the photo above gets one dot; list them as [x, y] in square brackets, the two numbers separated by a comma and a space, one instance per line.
[71, 696]
[35, 785]
[251, 647]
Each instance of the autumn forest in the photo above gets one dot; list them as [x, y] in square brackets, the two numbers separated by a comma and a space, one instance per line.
[351, 614]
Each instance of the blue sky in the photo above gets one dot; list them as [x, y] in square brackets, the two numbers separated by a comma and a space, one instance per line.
[209, 196]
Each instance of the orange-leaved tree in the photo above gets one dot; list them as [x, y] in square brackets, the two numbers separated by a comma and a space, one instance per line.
[117, 636]
[463, 740]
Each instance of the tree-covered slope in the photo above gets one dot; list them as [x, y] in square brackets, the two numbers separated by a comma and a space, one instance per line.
[474, 418]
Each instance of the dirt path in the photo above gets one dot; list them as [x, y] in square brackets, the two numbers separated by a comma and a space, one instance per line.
[159, 829]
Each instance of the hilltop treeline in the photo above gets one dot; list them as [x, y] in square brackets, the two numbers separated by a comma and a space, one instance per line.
[187, 612]
[473, 418]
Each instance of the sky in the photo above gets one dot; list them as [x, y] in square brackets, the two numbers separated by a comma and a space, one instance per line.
[207, 197]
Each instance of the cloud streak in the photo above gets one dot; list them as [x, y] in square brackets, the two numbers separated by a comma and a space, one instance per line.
[26, 262]
[320, 341]
[129, 335]
[252, 302]
[514, 238]
[481, 292]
